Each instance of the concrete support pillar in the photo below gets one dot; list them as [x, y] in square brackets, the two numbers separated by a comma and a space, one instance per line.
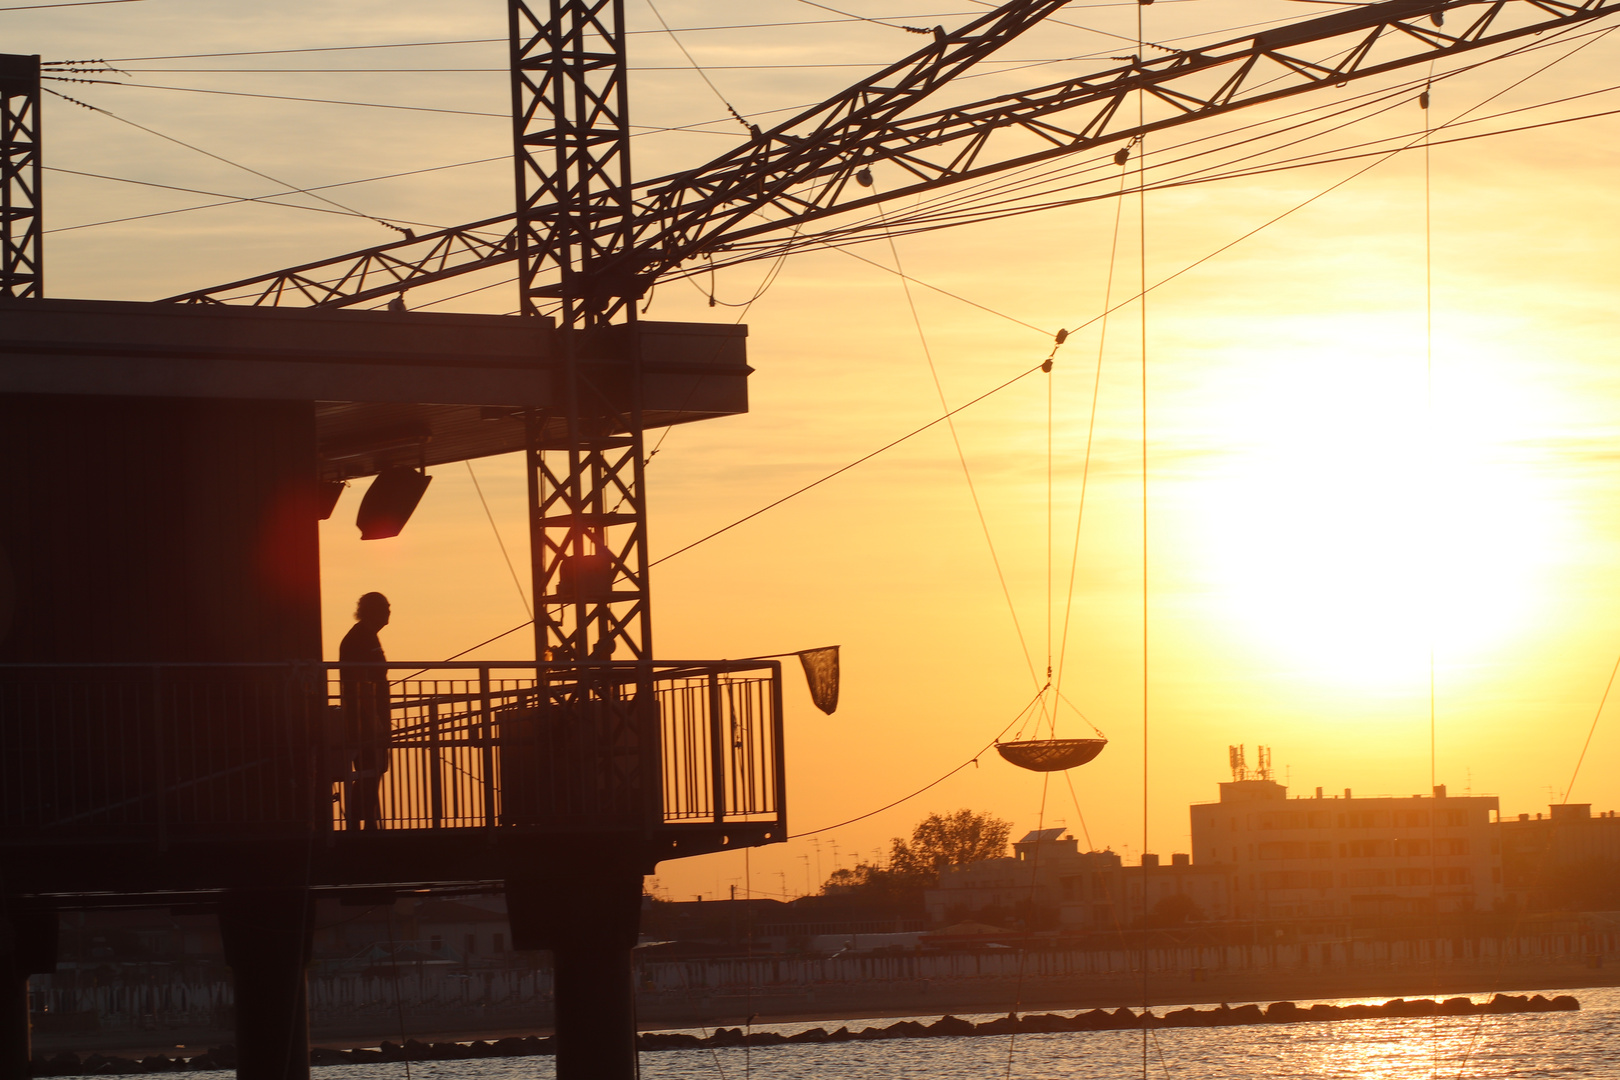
[267, 937]
[28, 938]
[588, 915]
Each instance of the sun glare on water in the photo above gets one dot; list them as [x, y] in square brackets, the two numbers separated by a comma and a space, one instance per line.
[1351, 517]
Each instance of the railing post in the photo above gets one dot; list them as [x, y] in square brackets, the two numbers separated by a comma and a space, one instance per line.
[650, 739]
[435, 767]
[717, 761]
[778, 751]
[488, 741]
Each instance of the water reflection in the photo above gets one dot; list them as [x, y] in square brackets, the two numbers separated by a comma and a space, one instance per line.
[1569, 1046]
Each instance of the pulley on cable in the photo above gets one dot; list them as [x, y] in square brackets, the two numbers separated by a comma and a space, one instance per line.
[1051, 754]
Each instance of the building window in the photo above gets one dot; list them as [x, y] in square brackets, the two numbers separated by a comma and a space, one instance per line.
[1412, 847]
[1321, 849]
[498, 943]
[1284, 879]
[472, 944]
[435, 943]
[1282, 849]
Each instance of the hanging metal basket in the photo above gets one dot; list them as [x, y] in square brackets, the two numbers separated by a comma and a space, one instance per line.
[1050, 755]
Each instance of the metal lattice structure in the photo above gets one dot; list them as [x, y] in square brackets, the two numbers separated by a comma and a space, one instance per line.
[571, 151]
[808, 168]
[21, 270]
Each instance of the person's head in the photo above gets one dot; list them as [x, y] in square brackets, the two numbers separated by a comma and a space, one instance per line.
[372, 609]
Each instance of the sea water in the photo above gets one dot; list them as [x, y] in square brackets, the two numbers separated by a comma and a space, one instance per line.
[1520, 1046]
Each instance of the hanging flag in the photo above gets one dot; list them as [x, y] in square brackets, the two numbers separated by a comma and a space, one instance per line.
[821, 673]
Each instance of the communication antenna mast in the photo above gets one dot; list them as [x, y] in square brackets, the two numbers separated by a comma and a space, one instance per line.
[1264, 769]
[1234, 758]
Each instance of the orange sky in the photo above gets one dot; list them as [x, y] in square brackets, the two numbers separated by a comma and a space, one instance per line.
[1322, 508]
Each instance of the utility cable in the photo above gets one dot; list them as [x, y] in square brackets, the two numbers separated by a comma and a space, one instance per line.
[845, 468]
[698, 67]
[943, 292]
[272, 97]
[499, 70]
[776, 503]
[399, 999]
[522, 596]
[1592, 730]
[863, 18]
[974, 760]
[961, 456]
[1142, 289]
[228, 161]
[75, 3]
[1030, 371]
[231, 200]
[1429, 553]
[1079, 813]
[1381, 158]
[765, 284]
[1091, 428]
[990, 213]
[452, 296]
[1029, 918]
[1137, 41]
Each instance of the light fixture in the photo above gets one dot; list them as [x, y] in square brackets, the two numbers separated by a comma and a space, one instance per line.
[390, 501]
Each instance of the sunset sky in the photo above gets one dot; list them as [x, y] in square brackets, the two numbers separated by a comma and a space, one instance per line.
[1325, 510]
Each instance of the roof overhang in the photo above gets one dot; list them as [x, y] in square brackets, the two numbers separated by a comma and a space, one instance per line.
[391, 387]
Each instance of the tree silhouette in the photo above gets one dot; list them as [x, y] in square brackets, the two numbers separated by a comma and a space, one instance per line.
[946, 840]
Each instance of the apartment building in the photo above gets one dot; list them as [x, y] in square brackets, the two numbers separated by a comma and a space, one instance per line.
[1567, 860]
[1383, 856]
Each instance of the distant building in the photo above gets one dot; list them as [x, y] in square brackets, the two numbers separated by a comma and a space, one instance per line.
[1087, 890]
[466, 930]
[1363, 857]
[1565, 861]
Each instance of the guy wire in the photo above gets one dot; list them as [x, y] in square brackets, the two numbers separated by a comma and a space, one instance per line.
[961, 456]
[1142, 290]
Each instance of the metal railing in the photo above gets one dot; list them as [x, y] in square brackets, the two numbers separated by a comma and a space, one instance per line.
[145, 751]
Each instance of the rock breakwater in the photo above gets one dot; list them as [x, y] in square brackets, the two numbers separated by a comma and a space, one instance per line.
[1279, 1012]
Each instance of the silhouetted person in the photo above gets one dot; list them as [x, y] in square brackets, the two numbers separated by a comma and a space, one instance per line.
[365, 710]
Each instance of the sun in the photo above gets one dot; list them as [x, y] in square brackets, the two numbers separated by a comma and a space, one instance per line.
[1359, 508]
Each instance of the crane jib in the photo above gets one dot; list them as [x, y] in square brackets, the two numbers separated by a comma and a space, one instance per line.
[710, 208]
[1359, 18]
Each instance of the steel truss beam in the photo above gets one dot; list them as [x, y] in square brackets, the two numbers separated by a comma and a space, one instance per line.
[21, 266]
[803, 169]
[587, 513]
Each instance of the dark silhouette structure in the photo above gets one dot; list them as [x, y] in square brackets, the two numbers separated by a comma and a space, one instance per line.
[168, 732]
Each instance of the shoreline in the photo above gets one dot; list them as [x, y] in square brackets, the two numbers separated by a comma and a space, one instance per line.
[949, 1026]
[846, 1002]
